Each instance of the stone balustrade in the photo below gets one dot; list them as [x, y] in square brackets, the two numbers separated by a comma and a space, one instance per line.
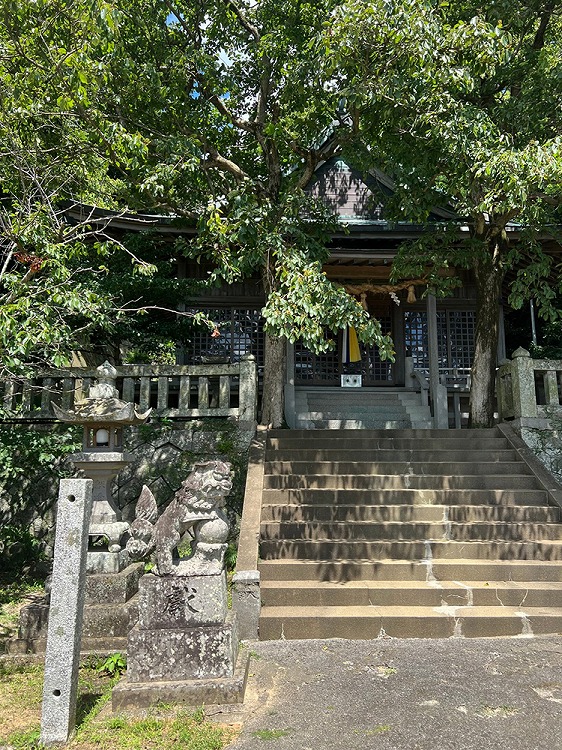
[173, 391]
[529, 388]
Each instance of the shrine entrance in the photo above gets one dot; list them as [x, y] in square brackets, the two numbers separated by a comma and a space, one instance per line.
[326, 369]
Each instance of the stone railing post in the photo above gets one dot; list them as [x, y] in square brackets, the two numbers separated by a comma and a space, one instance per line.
[523, 384]
[504, 390]
[248, 389]
[551, 388]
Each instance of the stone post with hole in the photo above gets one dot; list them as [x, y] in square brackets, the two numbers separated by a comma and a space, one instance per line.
[65, 617]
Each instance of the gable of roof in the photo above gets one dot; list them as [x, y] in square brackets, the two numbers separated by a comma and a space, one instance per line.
[360, 198]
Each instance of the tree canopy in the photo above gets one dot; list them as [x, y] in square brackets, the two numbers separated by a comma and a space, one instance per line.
[219, 112]
[461, 103]
[214, 112]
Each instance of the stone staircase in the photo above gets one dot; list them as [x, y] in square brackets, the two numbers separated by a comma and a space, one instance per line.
[408, 533]
[353, 409]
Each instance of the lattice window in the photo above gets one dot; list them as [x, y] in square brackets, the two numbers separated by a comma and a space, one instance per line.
[373, 368]
[241, 333]
[461, 338]
[416, 338]
[455, 338]
[319, 369]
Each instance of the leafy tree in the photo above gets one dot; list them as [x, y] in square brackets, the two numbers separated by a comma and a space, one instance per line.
[461, 102]
[210, 111]
[52, 293]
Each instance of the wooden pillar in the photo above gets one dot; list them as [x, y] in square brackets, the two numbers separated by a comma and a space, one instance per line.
[289, 393]
[437, 391]
[399, 345]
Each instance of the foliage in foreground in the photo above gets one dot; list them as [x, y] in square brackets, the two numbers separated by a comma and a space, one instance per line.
[220, 113]
[216, 114]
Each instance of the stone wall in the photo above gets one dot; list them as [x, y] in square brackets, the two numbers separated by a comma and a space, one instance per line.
[164, 453]
[544, 438]
[529, 395]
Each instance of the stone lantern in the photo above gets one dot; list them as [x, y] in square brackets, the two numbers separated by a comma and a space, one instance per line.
[103, 416]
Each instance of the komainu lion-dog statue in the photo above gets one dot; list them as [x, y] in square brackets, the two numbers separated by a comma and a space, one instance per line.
[196, 505]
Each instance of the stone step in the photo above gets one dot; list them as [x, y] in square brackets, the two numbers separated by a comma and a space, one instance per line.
[425, 435]
[411, 594]
[352, 440]
[362, 494]
[335, 411]
[343, 571]
[360, 424]
[108, 621]
[352, 396]
[419, 513]
[327, 550]
[408, 533]
[407, 622]
[372, 531]
[444, 469]
[332, 411]
[418, 455]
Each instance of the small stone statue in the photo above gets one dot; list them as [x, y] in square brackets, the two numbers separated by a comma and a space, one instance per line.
[198, 505]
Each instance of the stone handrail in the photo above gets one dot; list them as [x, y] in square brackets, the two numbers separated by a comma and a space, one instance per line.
[420, 377]
[184, 391]
[529, 388]
[453, 382]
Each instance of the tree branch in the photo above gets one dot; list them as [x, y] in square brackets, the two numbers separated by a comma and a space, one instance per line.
[250, 28]
[538, 41]
[177, 15]
[217, 161]
[221, 107]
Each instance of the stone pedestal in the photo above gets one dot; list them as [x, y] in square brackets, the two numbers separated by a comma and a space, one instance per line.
[105, 522]
[185, 645]
[103, 561]
[110, 611]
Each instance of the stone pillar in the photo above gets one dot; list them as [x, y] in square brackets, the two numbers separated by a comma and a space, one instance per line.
[66, 611]
[248, 389]
[551, 388]
[246, 603]
[523, 384]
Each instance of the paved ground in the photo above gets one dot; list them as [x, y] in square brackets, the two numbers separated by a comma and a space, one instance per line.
[451, 694]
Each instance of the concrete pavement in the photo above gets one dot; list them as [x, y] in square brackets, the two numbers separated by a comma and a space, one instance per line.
[453, 694]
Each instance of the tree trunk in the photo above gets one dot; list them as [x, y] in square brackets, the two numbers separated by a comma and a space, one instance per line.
[273, 381]
[489, 278]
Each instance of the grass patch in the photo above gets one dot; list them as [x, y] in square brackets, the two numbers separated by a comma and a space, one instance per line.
[384, 671]
[379, 729]
[166, 728]
[498, 712]
[20, 703]
[184, 731]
